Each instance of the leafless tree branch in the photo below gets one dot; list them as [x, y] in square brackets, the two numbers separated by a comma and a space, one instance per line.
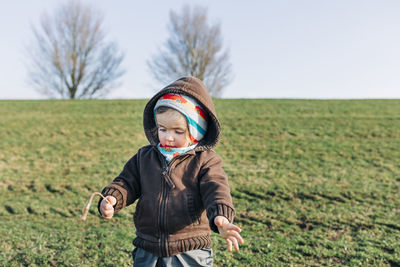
[70, 57]
[194, 48]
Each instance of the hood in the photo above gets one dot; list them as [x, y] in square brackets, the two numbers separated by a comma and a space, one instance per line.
[193, 87]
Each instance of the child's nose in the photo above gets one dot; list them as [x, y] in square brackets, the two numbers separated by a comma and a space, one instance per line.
[169, 137]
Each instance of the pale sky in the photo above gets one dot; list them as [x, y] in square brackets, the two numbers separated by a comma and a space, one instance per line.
[278, 48]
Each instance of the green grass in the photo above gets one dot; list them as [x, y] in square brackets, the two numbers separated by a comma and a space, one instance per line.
[314, 182]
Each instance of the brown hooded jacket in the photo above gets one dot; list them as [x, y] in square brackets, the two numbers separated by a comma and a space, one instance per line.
[179, 200]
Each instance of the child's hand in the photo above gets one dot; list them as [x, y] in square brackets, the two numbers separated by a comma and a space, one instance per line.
[229, 232]
[106, 208]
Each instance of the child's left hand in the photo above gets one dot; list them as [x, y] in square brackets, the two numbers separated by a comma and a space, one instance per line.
[229, 232]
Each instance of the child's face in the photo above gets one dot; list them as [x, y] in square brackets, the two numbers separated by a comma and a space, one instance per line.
[172, 129]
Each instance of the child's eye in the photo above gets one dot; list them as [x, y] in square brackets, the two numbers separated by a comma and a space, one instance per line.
[179, 132]
[162, 129]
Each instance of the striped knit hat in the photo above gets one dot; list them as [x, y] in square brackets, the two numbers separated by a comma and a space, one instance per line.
[191, 109]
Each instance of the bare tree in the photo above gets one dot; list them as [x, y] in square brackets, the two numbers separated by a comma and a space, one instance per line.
[69, 56]
[193, 48]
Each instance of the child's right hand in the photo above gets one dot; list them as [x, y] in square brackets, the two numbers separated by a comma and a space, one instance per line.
[107, 208]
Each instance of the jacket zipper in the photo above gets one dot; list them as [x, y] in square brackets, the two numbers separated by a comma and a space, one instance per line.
[163, 226]
[163, 221]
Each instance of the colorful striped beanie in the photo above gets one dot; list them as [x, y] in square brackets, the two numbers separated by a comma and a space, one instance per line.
[191, 109]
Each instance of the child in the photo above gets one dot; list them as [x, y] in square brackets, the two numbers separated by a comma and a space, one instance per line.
[182, 189]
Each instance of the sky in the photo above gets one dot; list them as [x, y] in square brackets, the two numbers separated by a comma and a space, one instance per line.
[312, 49]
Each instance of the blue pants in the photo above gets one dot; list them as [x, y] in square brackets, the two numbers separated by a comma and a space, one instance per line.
[198, 257]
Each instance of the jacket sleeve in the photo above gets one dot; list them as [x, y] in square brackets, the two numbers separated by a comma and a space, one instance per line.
[126, 186]
[215, 192]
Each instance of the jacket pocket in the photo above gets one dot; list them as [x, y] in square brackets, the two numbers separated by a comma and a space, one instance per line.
[136, 215]
[194, 210]
[177, 212]
[146, 215]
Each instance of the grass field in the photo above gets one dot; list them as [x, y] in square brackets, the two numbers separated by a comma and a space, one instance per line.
[315, 183]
